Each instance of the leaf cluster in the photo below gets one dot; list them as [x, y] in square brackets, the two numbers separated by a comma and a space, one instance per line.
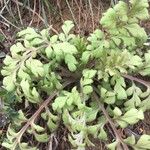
[90, 83]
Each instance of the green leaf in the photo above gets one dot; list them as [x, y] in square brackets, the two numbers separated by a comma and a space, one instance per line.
[21, 115]
[143, 143]
[130, 117]
[8, 83]
[71, 61]
[45, 33]
[36, 41]
[2, 38]
[23, 75]
[16, 48]
[116, 40]
[109, 19]
[59, 102]
[93, 129]
[36, 67]
[87, 81]
[7, 145]
[139, 9]
[133, 28]
[37, 127]
[32, 95]
[121, 93]
[87, 89]
[146, 65]
[70, 101]
[135, 61]
[134, 102]
[35, 94]
[64, 47]
[130, 90]
[49, 51]
[122, 9]
[41, 137]
[51, 125]
[25, 87]
[89, 74]
[103, 134]
[53, 39]
[130, 140]
[110, 100]
[119, 87]
[91, 115]
[28, 30]
[32, 36]
[68, 25]
[85, 56]
[103, 92]
[112, 146]
[117, 111]
[24, 146]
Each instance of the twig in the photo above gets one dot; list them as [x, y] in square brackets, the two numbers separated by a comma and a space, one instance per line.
[5, 24]
[92, 14]
[60, 12]
[39, 12]
[34, 8]
[74, 19]
[79, 18]
[118, 137]
[54, 30]
[4, 7]
[9, 22]
[50, 144]
[86, 15]
[21, 4]
[19, 13]
[44, 14]
[5, 36]
[132, 78]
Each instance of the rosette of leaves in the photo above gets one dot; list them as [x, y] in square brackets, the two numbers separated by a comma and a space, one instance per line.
[90, 86]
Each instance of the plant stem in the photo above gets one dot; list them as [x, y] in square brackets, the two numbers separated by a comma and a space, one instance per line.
[36, 114]
[118, 137]
[132, 78]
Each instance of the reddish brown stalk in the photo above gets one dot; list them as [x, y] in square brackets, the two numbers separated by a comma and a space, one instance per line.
[132, 78]
[118, 137]
[35, 115]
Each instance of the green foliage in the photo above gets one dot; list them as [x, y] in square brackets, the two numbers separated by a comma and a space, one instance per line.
[91, 82]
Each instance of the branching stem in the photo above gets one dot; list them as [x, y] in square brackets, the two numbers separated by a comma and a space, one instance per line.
[132, 78]
[36, 114]
[118, 137]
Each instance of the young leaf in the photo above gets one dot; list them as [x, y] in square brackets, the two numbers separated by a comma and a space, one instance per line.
[41, 137]
[143, 143]
[68, 25]
[130, 117]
